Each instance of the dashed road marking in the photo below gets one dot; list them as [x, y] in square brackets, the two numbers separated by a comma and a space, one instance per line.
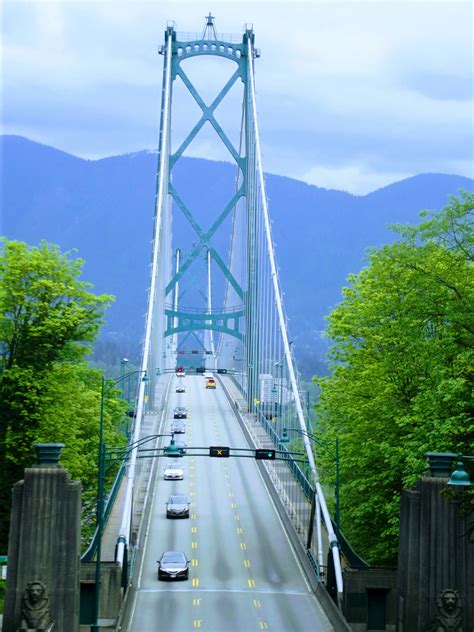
[195, 581]
[194, 562]
[257, 603]
[251, 583]
[197, 623]
[247, 563]
[194, 529]
[263, 625]
[243, 546]
[196, 602]
[194, 545]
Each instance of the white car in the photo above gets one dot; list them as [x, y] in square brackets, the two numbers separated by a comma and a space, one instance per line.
[173, 472]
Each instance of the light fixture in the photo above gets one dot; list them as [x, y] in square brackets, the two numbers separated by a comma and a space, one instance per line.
[459, 478]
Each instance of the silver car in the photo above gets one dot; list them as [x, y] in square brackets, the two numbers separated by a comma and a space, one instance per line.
[174, 472]
[177, 506]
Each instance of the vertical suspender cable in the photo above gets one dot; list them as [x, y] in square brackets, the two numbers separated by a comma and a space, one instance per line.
[289, 362]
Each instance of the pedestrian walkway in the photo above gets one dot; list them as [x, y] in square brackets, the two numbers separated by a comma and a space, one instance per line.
[144, 468]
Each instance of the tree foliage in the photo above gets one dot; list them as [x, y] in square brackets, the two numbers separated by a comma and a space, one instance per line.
[48, 320]
[402, 368]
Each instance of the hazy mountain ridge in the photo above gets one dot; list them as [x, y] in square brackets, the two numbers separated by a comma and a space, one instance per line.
[104, 209]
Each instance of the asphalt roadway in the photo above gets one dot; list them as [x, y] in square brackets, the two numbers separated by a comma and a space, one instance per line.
[244, 575]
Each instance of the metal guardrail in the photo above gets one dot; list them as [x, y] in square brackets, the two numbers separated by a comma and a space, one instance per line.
[90, 552]
[295, 468]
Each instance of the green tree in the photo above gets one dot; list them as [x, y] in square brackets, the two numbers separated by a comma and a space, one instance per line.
[48, 320]
[402, 368]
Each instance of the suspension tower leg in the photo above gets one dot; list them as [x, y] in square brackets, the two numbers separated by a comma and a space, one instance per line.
[251, 305]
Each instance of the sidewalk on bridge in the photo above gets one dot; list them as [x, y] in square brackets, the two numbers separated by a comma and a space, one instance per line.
[112, 528]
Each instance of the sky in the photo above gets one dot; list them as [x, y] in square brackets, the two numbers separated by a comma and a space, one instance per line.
[350, 95]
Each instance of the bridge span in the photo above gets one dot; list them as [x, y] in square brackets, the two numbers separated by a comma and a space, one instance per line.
[244, 572]
[215, 304]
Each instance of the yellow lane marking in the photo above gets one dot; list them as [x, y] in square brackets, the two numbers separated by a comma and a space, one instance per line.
[195, 581]
[264, 625]
[237, 517]
[191, 483]
[196, 602]
[251, 583]
[233, 505]
[194, 545]
[197, 623]
[247, 563]
[239, 530]
[230, 494]
[243, 546]
[194, 562]
[193, 516]
[192, 493]
[257, 603]
[194, 529]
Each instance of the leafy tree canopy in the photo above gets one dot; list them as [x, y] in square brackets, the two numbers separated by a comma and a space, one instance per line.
[48, 319]
[402, 367]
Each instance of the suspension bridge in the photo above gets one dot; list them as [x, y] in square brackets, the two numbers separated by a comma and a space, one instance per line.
[262, 548]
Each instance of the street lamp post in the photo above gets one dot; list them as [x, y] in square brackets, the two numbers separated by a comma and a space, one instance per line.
[335, 455]
[95, 627]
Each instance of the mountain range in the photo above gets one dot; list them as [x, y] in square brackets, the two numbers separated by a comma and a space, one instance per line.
[104, 210]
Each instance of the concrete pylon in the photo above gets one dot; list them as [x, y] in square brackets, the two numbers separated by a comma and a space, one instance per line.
[436, 557]
[44, 548]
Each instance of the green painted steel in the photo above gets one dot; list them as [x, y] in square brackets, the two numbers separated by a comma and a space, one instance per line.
[191, 321]
[204, 242]
[239, 323]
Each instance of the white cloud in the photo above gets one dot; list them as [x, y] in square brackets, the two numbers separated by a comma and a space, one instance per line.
[356, 178]
[367, 91]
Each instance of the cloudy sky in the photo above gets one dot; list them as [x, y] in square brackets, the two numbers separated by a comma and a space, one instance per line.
[351, 95]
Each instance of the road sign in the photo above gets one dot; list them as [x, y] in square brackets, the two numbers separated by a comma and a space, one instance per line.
[219, 451]
[265, 455]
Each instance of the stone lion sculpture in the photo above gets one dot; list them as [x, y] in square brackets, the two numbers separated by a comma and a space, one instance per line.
[35, 608]
[448, 612]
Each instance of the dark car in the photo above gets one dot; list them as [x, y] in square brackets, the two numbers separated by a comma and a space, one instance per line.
[173, 565]
[180, 389]
[178, 426]
[177, 506]
[180, 412]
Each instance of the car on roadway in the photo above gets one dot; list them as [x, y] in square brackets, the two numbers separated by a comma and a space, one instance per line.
[178, 426]
[180, 373]
[173, 565]
[180, 389]
[180, 412]
[174, 472]
[177, 506]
